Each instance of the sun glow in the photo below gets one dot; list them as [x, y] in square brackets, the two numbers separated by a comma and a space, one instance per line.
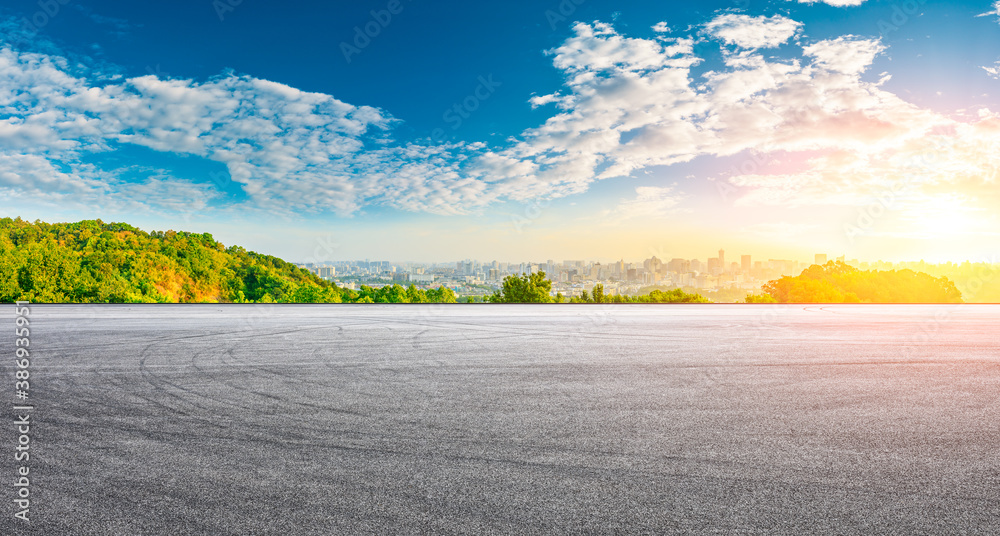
[949, 219]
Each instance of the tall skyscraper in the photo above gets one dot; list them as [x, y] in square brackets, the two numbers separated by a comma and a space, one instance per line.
[722, 258]
[745, 263]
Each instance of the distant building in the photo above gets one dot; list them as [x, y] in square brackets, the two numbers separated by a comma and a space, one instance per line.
[679, 266]
[820, 259]
[653, 264]
[745, 263]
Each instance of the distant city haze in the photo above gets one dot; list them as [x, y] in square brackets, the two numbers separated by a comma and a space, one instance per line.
[725, 278]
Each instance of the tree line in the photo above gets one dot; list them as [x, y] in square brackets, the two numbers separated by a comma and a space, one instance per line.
[535, 288]
[837, 282]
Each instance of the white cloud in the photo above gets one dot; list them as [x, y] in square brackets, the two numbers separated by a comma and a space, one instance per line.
[542, 100]
[290, 150]
[32, 175]
[835, 3]
[617, 120]
[599, 47]
[752, 32]
[649, 203]
[661, 27]
[993, 70]
[627, 104]
[995, 11]
[847, 54]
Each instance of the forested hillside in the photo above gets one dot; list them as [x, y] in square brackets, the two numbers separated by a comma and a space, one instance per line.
[96, 262]
[836, 282]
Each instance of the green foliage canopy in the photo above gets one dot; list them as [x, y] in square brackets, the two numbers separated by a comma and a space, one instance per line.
[533, 288]
[836, 282]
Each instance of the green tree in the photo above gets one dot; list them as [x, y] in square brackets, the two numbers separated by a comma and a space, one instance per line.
[441, 295]
[415, 295]
[598, 293]
[533, 288]
[671, 296]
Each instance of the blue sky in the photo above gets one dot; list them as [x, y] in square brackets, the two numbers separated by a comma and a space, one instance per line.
[512, 131]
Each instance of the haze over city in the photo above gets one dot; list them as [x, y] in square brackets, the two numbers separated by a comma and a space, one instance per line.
[724, 279]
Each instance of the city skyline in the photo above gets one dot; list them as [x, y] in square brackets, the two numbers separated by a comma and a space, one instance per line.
[724, 280]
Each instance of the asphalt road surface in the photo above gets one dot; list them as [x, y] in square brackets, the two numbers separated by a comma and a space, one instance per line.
[492, 419]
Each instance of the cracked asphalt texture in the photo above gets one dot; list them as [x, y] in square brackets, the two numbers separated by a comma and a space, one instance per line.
[495, 419]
